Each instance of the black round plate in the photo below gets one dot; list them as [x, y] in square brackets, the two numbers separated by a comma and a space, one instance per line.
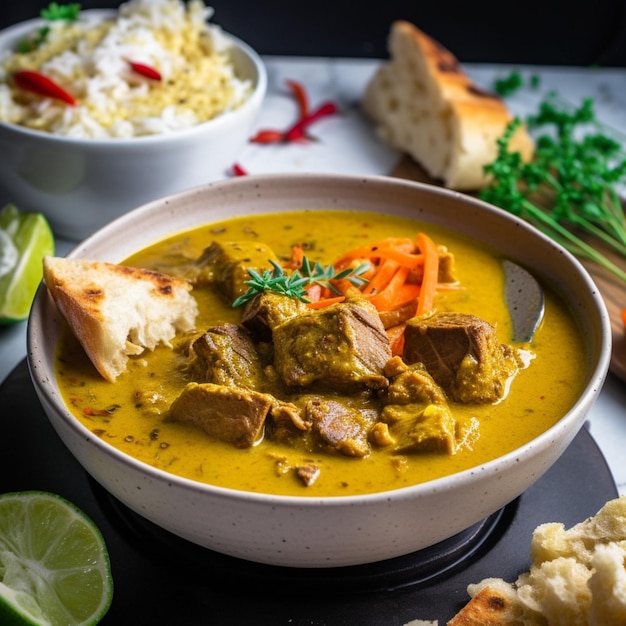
[161, 579]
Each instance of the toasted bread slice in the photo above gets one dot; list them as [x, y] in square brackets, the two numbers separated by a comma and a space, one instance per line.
[425, 105]
[116, 311]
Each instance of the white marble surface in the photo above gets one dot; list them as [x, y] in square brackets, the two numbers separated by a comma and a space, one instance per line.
[347, 144]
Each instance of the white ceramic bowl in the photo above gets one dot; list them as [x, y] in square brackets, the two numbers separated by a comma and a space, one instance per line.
[82, 184]
[337, 531]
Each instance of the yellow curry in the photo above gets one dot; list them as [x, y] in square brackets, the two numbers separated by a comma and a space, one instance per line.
[133, 414]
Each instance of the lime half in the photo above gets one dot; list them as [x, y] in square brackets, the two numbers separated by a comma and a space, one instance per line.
[54, 564]
[25, 238]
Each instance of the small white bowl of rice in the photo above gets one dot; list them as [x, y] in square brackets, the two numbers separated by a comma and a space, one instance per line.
[106, 110]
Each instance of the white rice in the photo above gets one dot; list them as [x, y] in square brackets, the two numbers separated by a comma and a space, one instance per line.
[90, 58]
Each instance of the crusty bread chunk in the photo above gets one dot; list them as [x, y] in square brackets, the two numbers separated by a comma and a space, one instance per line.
[427, 107]
[116, 311]
[577, 578]
[608, 585]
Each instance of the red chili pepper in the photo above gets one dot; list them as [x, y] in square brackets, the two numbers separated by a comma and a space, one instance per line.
[268, 136]
[40, 84]
[301, 95]
[238, 170]
[297, 131]
[145, 70]
[305, 119]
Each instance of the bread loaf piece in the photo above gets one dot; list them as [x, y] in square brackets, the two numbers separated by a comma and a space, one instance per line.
[577, 578]
[426, 106]
[116, 311]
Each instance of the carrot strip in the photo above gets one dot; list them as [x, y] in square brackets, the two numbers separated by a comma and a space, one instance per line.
[624, 316]
[320, 304]
[370, 250]
[406, 259]
[431, 272]
[296, 258]
[394, 297]
[397, 292]
[396, 339]
[385, 272]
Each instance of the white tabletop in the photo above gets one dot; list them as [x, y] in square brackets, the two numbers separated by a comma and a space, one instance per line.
[347, 144]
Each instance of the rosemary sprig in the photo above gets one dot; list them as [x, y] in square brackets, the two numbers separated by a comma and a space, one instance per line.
[295, 285]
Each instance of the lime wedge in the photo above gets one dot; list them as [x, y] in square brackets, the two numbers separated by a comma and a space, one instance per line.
[25, 238]
[54, 564]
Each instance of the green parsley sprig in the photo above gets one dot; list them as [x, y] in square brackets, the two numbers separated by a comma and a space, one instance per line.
[569, 187]
[513, 82]
[53, 12]
[67, 12]
[296, 283]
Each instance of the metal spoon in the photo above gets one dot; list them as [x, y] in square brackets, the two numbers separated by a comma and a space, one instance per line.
[524, 299]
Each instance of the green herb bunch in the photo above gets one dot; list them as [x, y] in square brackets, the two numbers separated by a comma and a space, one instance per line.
[513, 82]
[569, 187]
[53, 12]
[295, 284]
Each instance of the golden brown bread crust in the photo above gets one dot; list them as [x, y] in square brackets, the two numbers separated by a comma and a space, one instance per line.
[116, 311]
[424, 104]
[577, 577]
[494, 605]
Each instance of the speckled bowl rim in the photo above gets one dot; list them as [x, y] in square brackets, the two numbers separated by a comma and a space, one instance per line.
[180, 209]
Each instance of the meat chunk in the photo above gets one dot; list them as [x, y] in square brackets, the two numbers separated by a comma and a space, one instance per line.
[342, 347]
[287, 423]
[225, 264]
[228, 356]
[462, 354]
[411, 384]
[341, 426]
[418, 428]
[230, 414]
[268, 310]
[308, 474]
[417, 411]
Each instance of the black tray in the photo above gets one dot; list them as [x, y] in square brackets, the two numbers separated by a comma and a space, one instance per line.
[161, 579]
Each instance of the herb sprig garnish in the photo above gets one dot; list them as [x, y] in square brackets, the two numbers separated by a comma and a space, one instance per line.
[67, 12]
[569, 186]
[296, 283]
[53, 12]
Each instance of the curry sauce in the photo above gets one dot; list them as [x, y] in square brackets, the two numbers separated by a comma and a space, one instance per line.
[131, 414]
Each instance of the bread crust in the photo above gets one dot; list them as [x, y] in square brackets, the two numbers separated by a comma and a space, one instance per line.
[493, 604]
[425, 105]
[116, 311]
[577, 577]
